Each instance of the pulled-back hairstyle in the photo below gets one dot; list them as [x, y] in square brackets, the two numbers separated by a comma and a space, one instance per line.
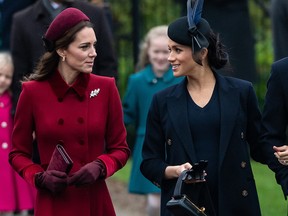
[217, 54]
[49, 61]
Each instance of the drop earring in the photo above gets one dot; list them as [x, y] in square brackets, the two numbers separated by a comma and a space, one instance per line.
[63, 58]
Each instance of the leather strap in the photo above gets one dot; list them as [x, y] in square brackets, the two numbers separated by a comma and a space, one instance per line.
[181, 180]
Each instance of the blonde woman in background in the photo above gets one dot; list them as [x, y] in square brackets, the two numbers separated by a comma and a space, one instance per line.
[153, 73]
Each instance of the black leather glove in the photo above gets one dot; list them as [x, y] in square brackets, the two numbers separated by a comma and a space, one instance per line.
[52, 180]
[88, 174]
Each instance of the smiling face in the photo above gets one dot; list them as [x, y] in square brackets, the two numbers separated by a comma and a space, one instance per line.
[81, 53]
[158, 54]
[180, 58]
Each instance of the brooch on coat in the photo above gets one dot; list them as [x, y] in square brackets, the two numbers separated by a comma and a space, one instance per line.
[94, 92]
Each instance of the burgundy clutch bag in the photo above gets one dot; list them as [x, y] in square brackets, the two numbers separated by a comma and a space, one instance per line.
[60, 160]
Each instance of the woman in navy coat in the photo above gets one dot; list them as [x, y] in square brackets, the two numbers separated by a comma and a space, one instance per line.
[205, 117]
[63, 103]
[154, 74]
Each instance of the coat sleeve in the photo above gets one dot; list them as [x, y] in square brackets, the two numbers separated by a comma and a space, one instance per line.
[117, 150]
[253, 124]
[274, 123]
[153, 165]
[20, 156]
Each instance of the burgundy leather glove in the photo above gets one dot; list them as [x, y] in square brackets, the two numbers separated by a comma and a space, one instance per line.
[88, 174]
[52, 180]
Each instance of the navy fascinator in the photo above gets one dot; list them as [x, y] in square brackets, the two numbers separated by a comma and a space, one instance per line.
[191, 30]
[194, 12]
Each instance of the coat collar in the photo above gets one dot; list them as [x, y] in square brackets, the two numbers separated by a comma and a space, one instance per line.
[40, 11]
[60, 87]
[150, 76]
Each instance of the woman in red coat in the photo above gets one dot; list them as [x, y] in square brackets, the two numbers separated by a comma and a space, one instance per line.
[62, 102]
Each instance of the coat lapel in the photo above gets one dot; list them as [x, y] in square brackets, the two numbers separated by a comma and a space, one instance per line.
[229, 106]
[177, 109]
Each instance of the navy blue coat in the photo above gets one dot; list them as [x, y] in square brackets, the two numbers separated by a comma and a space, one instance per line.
[168, 141]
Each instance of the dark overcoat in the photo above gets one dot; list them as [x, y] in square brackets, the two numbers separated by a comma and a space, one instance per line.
[231, 19]
[168, 141]
[275, 119]
[87, 119]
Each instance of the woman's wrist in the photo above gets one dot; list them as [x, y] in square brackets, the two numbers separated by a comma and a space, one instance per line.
[172, 172]
[175, 171]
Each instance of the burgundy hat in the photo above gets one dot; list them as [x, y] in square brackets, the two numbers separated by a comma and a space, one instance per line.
[64, 21]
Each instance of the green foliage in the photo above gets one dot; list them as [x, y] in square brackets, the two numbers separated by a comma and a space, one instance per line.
[263, 46]
[158, 12]
[123, 175]
[270, 194]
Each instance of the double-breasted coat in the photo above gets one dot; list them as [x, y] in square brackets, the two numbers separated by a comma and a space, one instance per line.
[140, 90]
[168, 141]
[87, 119]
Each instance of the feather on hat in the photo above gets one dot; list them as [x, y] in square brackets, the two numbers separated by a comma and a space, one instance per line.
[191, 30]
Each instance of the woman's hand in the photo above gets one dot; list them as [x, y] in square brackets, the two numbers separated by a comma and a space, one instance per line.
[281, 153]
[175, 171]
[88, 174]
[52, 180]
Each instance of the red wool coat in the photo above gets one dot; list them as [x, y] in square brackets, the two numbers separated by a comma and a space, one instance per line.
[88, 119]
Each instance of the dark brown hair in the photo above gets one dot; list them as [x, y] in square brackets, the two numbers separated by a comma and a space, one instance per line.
[49, 61]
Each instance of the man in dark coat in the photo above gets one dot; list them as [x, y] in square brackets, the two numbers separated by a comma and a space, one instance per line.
[7, 9]
[279, 17]
[30, 24]
[232, 20]
[275, 121]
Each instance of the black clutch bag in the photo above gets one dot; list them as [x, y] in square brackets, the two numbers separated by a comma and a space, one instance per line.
[181, 204]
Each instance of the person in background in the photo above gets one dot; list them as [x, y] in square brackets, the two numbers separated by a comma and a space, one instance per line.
[62, 102]
[207, 117]
[275, 121]
[16, 194]
[279, 21]
[153, 74]
[30, 24]
[106, 7]
[231, 19]
[7, 9]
